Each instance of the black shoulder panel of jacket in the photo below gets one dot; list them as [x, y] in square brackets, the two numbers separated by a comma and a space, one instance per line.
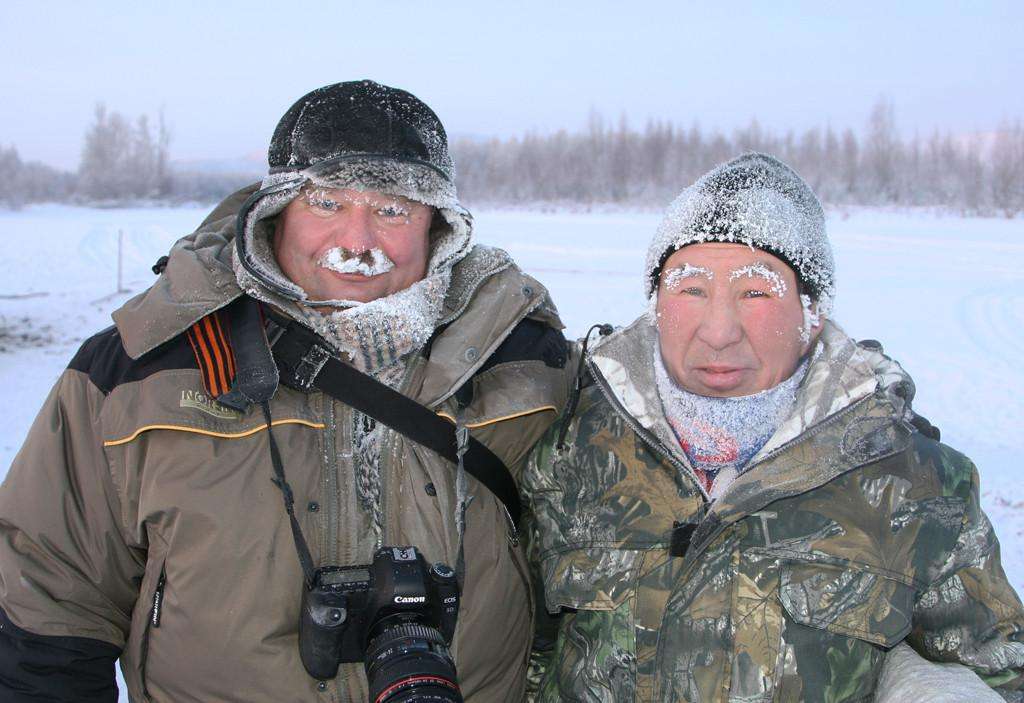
[922, 425]
[34, 668]
[108, 365]
[530, 340]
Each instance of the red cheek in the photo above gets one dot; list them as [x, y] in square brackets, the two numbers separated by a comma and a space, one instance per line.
[769, 322]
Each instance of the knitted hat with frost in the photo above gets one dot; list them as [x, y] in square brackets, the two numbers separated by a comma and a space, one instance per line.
[756, 200]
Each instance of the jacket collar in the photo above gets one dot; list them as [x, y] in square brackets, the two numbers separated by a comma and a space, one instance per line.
[625, 360]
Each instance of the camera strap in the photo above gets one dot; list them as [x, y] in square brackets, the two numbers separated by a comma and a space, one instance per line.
[305, 558]
[305, 362]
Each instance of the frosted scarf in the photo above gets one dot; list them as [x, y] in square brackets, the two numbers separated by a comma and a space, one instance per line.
[721, 435]
[377, 335]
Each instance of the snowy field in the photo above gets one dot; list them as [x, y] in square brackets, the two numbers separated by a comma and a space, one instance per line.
[945, 296]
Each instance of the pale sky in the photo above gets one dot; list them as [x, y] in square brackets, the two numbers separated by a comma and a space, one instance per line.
[225, 72]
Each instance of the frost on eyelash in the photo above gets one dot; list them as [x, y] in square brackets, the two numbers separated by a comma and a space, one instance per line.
[321, 197]
[674, 277]
[341, 260]
[318, 197]
[775, 282]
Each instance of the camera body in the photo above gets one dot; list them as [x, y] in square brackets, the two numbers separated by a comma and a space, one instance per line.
[394, 611]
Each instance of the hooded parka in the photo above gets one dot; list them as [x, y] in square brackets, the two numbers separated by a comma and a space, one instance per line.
[849, 532]
[139, 520]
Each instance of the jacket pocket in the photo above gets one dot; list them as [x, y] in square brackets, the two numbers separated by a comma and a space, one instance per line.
[851, 600]
[595, 653]
[590, 579]
[146, 620]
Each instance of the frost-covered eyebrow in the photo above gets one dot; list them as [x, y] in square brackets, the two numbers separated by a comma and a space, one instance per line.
[320, 194]
[675, 276]
[761, 269]
[755, 268]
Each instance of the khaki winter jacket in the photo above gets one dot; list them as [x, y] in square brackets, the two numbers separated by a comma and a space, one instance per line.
[141, 514]
[849, 532]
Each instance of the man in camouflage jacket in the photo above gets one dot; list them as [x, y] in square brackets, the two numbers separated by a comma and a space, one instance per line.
[851, 529]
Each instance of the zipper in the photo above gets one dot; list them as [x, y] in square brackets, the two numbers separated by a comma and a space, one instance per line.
[331, 552]
[151, 623]
[386, 441]
[331, 481]
[642, 432]
[158, 600]
[814, 429]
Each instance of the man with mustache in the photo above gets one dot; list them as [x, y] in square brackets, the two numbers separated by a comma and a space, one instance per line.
[739, 503]
[182, 492]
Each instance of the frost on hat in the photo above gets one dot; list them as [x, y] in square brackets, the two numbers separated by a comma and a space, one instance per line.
[756, 200]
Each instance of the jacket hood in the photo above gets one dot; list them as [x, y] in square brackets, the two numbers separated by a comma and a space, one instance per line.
[841, 372]
[450, 236]
[199, 279]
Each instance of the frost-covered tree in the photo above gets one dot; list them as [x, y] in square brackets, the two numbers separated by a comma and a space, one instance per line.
[880, 153]
[1007, 182]
[121, 160]
[620, 164]
[24, 182]
[10, 177]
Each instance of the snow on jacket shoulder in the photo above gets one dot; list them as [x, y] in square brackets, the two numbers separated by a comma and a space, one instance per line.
[139, 519]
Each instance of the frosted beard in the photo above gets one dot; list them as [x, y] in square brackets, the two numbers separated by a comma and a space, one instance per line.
[374, 336]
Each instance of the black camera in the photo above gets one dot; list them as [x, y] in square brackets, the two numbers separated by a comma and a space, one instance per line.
[397, 615]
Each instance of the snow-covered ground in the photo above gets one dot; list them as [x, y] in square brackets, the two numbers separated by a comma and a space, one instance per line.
[945, 295]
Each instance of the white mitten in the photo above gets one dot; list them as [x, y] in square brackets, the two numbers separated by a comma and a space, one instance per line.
[907, 676]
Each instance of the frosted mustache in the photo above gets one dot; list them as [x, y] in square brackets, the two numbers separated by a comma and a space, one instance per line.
[368, 263]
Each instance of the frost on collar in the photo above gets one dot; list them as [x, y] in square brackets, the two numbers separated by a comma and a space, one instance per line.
[755, 200]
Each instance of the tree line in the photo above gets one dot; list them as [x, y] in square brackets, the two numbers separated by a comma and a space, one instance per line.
[619, 164]
[126, 161]
[123, 161]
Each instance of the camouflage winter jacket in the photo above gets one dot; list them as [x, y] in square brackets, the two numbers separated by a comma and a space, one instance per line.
[850, 532]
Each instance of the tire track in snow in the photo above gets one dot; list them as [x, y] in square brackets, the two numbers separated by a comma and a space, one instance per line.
[993, 320]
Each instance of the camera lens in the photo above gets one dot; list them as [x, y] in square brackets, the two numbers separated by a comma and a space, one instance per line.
[408, 661]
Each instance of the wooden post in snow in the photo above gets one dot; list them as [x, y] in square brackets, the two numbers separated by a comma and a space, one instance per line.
[120, 258]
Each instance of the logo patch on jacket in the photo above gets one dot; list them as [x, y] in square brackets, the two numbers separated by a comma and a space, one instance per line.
[206, 404]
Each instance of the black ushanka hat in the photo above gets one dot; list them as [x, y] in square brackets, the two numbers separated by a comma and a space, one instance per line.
[359, 120]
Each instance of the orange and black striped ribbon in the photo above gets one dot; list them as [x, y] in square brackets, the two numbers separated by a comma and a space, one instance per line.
[212, 345]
